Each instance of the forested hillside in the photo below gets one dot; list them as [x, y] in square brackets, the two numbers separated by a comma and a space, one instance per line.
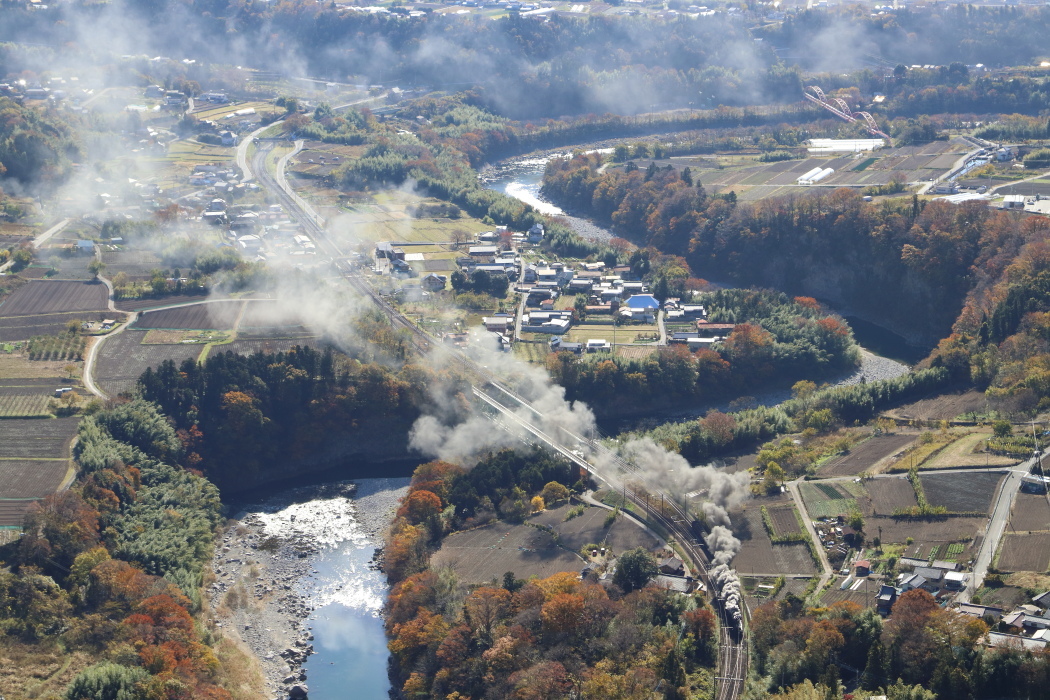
[923, 652]
[110, 570]
[244, 419]
[541, 638]
[908, 264]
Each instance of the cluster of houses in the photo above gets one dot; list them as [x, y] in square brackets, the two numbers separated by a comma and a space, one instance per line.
[940, 578]
[259, 234]
[1027, 626]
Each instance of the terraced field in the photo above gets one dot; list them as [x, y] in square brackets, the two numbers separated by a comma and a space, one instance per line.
[34, 461]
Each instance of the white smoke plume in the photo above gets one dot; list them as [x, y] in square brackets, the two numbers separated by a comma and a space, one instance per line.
[446, 435]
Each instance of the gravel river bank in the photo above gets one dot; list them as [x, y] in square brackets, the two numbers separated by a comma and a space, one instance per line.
[296, 582]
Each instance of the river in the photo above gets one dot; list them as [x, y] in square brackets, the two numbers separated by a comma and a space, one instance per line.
[521, 178]
[327, 591]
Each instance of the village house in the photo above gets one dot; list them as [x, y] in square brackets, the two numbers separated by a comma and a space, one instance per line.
[557, 322]
[640, 307]
[498, 324]
[483, 253]
[433, 282]
[672, 565]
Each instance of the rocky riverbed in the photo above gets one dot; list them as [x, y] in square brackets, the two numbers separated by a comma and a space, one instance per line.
[265, 583]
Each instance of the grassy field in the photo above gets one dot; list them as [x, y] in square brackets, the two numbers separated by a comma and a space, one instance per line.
[17, 366]
[961, 454]
[825, 500]
[532, 352]
[192, 153]
[623, 334]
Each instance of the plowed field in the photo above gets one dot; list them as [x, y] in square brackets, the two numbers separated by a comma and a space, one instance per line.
[864, 456]
[887, 495]
[212, 316]
[1031, 512]
[48, 297]
[1029, 552]
[961, 492]
[487, 552]
[31, 478]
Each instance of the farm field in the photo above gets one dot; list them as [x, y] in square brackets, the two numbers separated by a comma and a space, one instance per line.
[635, 352]
[961, 493]
[16, 366]
[136, 264]
[34, 461]
[1006, 597]
[864, 456]
[190, 153]
[220, 315]
[754, 180]
[961, 454]
[945, 407]
[23, 404]
[143, 304]
[31, 478]
[1030, 512]
[34, 438]
[385, 219]
[623, 334]
[926, 533]
[589, 528]
[758, 555]
[886, 495]
[68, 268]
[864, 595]
[784, 520]
[826, 500]
[122, 359]
[48, 297]
[13, 513]
[25, 327]
[487, 552]
[754, 597]
[1025, 552]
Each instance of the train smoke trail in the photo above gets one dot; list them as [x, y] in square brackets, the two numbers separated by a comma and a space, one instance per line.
[668, 471]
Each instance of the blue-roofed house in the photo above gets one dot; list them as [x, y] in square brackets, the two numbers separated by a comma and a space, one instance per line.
[83, 246]
[640, 307]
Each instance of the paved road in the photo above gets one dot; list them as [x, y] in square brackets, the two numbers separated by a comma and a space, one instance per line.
[46, 235]
[828, 572]
[994, 530]
[242, 151]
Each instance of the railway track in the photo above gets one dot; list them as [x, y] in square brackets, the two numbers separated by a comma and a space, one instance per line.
[583, 451]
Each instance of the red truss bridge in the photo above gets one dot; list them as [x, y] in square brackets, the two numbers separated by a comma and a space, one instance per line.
[840, 109]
